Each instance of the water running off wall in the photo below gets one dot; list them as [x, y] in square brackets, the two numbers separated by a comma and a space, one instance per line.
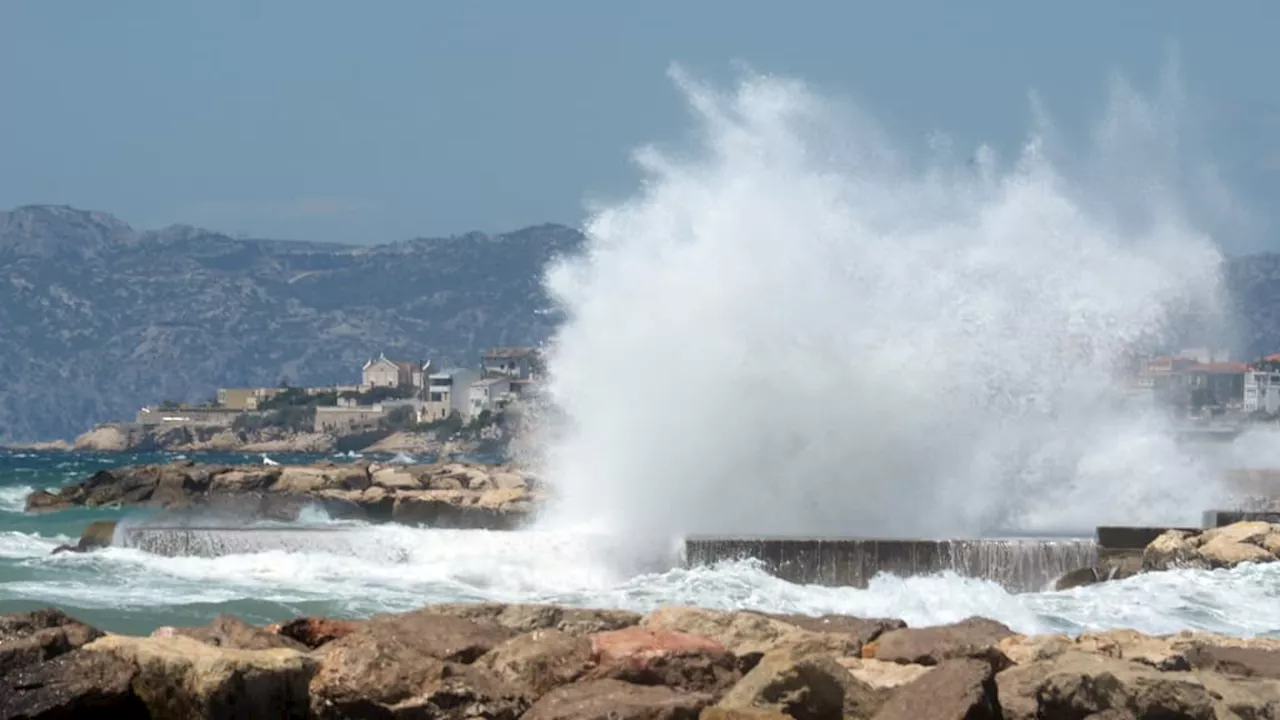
[795, 326]
[1022, 565]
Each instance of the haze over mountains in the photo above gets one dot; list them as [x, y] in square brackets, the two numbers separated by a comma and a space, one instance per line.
[98, 319]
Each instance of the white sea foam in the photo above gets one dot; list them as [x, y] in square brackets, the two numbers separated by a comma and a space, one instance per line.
[794, 327]
[389, 568]
[13, 498]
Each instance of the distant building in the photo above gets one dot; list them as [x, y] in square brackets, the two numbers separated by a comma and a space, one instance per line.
[349, 419]
[490, 394]
[520, 363]
[1262, 391]
[384, 372]
[246, 398]
[448, 391]
[1219, 384]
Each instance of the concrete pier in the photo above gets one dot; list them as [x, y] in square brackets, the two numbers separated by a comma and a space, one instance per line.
[215, 541]
[1017, 564]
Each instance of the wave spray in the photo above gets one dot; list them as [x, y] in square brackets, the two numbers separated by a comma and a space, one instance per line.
[793, 327]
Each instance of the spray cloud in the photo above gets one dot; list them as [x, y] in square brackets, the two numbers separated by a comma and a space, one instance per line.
[796, 329]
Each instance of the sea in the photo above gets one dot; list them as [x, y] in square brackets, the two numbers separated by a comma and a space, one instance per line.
[387, 568]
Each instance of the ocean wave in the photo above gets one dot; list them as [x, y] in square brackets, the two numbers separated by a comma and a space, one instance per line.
[393, 568]
[13, 498]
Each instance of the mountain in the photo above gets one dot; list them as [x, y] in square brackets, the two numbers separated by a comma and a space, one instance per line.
[97, 318]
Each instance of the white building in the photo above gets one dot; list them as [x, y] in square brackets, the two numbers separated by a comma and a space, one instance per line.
[520, 363]
[490, 394]
[448, 391]
[1261, 391]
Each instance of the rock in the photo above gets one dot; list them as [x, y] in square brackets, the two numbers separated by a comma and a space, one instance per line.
[397, 676]
[105, 438]
[523, 618]
[313, 632]
[954, 690]
[396, 478]
[97, 534]
[803, 686]
[540, 660]
[226, 631]
[659, 656]
[1223, 552]
[1223, 547]
[1241, 661]
[881, 674]
[243, 481]
[1077, 684]
[609, 699]
[1171, 549]
[1162, 653]
[421, 633]
[719, 713]
[748, 635]
[1023, 649]
[72, 685]
[972, 637]
[861, 630]
[343, 490]
[179, 677]
[28, 638]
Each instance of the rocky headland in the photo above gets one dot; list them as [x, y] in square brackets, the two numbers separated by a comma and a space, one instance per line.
[543, 662]
[129, 437]
[442, 494]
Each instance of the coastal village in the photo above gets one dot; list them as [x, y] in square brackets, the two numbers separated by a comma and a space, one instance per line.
[391, 394]
[1203, 384]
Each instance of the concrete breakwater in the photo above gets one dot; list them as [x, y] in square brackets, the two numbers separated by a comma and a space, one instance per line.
[1017, 564]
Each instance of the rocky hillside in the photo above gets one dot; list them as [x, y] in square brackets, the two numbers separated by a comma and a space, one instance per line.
[99, 318]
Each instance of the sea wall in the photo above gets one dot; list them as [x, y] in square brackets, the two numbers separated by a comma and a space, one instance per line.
[1020, 564]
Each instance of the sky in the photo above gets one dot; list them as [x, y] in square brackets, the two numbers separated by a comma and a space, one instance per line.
[373, 122]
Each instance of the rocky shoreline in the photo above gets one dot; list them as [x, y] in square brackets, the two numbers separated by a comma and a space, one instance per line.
[442, 494]
[544, 662]
[1222, 547]
[128, 437]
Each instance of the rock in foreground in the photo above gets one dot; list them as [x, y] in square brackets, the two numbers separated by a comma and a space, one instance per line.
[448, 494]
[546, 662]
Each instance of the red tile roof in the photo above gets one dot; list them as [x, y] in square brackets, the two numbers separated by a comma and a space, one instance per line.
[1221, 368]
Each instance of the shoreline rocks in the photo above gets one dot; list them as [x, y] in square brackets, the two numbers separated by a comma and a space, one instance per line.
[444, 494]
[545, 662]
[1228, 546]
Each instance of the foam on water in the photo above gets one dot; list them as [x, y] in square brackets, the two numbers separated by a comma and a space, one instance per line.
[795, 327]
[414, 567]
[13, 498]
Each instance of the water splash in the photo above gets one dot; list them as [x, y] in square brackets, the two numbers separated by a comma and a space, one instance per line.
[794, 328]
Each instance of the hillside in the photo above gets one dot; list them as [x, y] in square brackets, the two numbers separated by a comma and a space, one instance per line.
[98, 318]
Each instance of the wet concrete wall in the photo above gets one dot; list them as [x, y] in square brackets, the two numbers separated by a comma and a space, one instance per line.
[1019, 564]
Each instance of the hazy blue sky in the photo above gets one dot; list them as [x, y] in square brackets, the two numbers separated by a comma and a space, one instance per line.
[377, 121]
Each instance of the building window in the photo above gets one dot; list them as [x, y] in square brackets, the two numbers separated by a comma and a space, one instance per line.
[437, 397]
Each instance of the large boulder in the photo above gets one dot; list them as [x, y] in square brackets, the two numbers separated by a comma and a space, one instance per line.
[387, 673]
[970, 638]
[954, 690]
[609, 699]
[180, 677]
[750, 635]
[74, 684]
[803, 686]
[1077, 684]
[525, 618]
[658, 656]
[1223, 547]
[28, 638]
[313, 632]
[541, 660]
[229, 632]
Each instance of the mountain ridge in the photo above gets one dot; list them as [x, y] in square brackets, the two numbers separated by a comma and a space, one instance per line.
[100, 318]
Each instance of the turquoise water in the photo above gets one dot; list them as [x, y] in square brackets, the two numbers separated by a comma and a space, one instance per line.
[355, 570]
